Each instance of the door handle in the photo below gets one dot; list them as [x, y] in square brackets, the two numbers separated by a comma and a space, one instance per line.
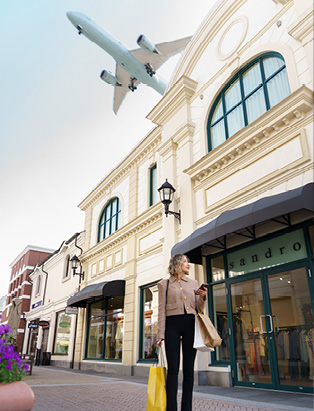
[271, 324]
[261, 322]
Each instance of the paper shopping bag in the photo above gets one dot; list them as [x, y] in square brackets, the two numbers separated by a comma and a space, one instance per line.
[198, 340]
[156, 389]
[208, 331]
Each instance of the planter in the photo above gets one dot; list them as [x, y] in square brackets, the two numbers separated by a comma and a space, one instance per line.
[16, 396]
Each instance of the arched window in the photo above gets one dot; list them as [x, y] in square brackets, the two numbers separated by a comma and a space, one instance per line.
[110, 219]
[251, 92]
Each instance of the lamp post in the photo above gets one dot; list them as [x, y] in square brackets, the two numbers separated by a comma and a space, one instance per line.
[75, 262]
[166, 192]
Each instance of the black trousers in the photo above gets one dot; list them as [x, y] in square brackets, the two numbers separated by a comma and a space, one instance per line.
[180, 328]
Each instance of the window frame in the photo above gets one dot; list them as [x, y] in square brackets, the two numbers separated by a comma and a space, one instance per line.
[59, 313]
[153, 185]
[142, 316]
[241, 103]
[108, 221]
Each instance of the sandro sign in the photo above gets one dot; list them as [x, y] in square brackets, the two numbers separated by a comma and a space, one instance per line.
[279, 250]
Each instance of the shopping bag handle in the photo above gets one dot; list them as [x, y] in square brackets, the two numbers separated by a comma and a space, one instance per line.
[160, 357]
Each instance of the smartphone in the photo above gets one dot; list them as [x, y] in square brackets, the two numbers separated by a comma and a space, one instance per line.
[204, 286]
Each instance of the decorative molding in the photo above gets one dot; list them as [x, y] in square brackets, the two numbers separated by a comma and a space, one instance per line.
[147, 219]
[283, 2]
[243, 20]
[179, 95]
[145, 147]
[303, 26]
[231, 154]
[272, 175]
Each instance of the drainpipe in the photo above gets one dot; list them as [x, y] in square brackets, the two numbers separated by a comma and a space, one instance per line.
[42, 269]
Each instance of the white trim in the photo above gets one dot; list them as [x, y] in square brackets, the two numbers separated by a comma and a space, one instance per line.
[30, 248]
[29, 267]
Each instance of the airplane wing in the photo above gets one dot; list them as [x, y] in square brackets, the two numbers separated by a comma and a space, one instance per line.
[120, 91]
[166, 50]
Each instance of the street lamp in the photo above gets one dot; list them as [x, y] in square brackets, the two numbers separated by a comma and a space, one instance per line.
[166, 192]
[75, 262]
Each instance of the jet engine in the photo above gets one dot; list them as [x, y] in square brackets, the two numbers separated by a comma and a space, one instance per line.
[109, 78]
[146, 44]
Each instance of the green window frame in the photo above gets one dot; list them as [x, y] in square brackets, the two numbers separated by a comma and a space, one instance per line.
[153, 185]
[255, 89]
[148, 322]
[110, 219]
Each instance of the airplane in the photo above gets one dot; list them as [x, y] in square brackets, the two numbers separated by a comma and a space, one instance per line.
[132, 66]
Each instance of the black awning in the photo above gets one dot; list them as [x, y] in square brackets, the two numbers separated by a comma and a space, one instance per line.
[97, 291]
[230, 221]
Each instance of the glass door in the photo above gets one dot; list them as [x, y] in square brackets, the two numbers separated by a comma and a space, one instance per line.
[272, 330]
[292, 327]
[250, 338]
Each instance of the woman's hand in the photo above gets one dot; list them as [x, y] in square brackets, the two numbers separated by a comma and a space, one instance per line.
[159, 342]
[202, 293]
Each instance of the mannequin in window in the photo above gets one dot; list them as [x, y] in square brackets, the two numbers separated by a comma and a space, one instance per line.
[119, 339]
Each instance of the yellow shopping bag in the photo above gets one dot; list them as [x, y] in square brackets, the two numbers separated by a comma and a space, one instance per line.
[156, 389]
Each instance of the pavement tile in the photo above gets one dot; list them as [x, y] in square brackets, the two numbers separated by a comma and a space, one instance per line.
[62, 390]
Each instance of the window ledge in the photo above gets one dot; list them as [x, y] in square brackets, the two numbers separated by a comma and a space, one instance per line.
[286, 114]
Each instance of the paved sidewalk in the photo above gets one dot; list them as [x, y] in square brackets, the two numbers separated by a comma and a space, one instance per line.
[58, 389]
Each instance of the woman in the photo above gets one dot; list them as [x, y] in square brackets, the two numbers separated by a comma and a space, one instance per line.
[179, 296]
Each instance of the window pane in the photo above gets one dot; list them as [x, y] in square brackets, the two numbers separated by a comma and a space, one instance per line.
[114, 328]
[95, 337]
[235, 120]
[107, 229]
[221, 321]
[114, 207]
[252, 78]
[153, 185]
[119, 220]
[218, 134]
[101, 232]
[108, 211]
[232, 95]
[218, 112]
[217, 268]
[113, 224]
[278, 88]
[149, 325]
[255, 105]
[271, 65]
[62, 339]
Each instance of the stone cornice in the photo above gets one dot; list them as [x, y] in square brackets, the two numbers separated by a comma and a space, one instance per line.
[173, 100]
[146, 219]
[145, 147]
[285, 115]
[303, 26]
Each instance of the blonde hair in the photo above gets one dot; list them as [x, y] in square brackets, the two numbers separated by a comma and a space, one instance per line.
[175, 263]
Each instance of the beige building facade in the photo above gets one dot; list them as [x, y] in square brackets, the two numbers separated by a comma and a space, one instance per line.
[234, 127]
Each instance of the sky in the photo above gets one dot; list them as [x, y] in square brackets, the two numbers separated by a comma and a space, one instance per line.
[58, 134]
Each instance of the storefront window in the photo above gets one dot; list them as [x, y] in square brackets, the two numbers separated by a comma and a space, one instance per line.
[105, 329]
[217, 268]
[62, 336]
[221, 321]
[149, 319]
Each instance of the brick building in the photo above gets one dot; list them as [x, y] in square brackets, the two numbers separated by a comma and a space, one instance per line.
[20, 285]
